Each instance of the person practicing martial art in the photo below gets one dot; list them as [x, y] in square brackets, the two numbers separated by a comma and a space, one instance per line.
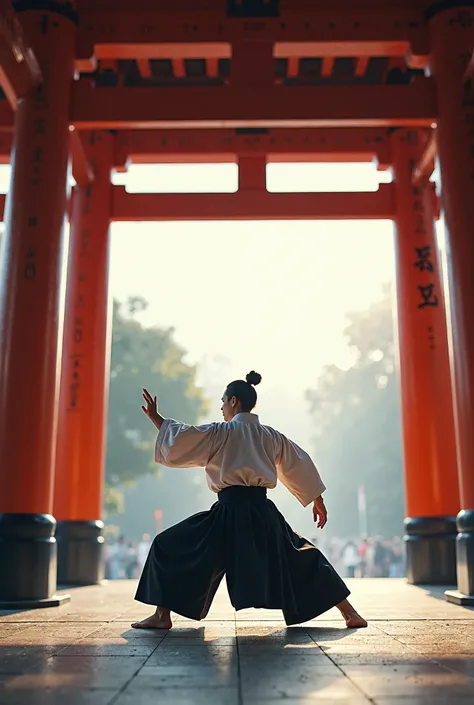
[243, 536]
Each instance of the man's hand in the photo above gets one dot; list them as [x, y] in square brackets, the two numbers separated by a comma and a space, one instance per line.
[320, 513]
[151, 410]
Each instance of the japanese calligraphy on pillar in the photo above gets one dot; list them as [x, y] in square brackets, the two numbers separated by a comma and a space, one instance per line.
[35, 177]
[424, 261]
[81, 248]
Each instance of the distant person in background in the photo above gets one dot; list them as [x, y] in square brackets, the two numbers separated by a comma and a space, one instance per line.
[380, 559]
[143, 549]
[117, 556]
[362, 551]
[397, 558]
[131, 561]
[369, 558]
[243, 535]
[350, 558]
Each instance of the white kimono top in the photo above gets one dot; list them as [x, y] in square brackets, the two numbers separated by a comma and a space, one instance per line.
[240, 452]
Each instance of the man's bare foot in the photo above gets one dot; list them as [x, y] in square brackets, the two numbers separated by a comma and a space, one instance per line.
[354, 621]
[160, 620]
[352, 618]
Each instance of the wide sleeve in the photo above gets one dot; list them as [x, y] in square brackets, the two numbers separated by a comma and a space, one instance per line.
[297, 472]
[181, 446]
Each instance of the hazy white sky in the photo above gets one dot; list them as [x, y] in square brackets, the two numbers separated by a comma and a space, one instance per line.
[266, 295]
[270, 296]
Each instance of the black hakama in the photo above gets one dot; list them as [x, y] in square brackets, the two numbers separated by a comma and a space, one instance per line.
[244, 537]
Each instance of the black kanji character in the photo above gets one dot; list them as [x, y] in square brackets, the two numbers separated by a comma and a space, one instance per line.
[424, 263]
[429, 296]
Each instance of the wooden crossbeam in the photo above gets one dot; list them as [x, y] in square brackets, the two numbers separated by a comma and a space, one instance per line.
[338, 28]
[276, 145]
[273, 106]
[253, 205]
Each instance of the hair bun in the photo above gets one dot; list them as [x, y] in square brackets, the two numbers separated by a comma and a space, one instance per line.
[253, 378]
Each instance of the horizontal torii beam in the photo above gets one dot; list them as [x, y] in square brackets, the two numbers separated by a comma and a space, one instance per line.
[111, 31]
[253, 205]
[337, 145]
[276, 145]
[250, 205]
[274, 106]
[121, 108]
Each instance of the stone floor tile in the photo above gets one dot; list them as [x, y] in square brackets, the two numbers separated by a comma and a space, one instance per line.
[190, 642]
[115, 630]
[191, 625]
[18, 659]
[36, 641]
[376, 659]
[290, 665]
[436, 650]
[183, 632]
[274, 650]
[118, 648]
[422, 700]
[26, 616]
[58, 696]
[216, 657]
[394, 670]
[181, 696]
[392, 648]
[88, 617]
[271, 631]
[82, 672]
[305, 700]
[67, 632]
[304, 682]
[462, 665]
[6, 630]
[385, 682]
[185, 676]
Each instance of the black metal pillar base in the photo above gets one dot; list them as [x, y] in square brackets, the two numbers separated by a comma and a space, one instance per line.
[464, 595]
[80, 552]
[431, 550]
[27, 558]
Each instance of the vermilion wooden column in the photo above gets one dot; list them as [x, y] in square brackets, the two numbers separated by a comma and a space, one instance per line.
[452, 40]
[431, 480]
[29, 309]
[80, 457]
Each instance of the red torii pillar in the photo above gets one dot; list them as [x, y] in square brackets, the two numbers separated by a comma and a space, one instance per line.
[452, 39]
[29, 314]
[80, 455]
[429, 444]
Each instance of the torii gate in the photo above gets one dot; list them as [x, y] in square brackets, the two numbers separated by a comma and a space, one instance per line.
[223, 81]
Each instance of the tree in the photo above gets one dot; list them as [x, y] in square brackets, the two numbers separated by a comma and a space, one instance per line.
[358, 426]
[143, 357]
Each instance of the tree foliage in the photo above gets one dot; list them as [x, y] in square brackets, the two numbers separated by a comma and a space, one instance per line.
[357, 423]
[143, 357]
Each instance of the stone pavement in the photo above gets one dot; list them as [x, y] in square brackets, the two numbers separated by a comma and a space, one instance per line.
[418, 649]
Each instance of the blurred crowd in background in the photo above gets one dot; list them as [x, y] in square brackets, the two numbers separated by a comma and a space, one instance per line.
[125, 559]
[372, 557]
